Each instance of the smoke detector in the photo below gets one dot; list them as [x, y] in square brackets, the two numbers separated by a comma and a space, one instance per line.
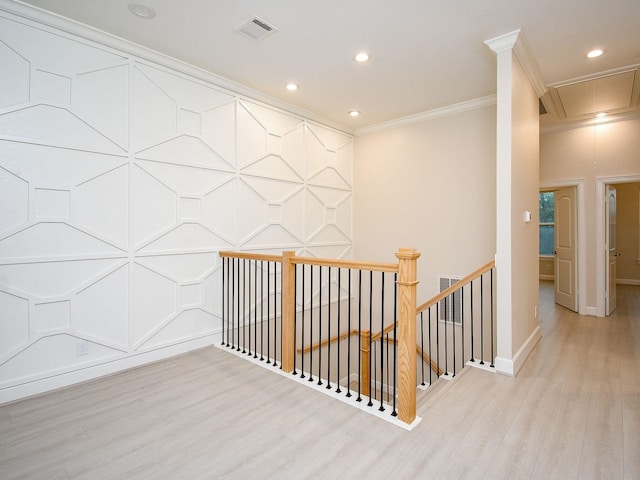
[256, 29]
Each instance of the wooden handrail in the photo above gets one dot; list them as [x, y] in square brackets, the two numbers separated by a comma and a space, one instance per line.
[252, 256]
[323, 343]
[460, 283]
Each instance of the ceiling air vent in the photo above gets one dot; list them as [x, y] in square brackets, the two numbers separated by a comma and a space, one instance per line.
[256, 29]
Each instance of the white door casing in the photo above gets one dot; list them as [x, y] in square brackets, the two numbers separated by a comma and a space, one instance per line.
[611, 248]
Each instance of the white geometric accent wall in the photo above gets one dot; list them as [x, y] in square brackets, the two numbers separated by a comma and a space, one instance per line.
[120, 180]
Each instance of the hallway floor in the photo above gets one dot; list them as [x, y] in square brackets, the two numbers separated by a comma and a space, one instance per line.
[573, 412]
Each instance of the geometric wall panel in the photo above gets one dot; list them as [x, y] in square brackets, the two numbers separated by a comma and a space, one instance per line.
[120, 181]
[101, 99]
[50, 88]
[153, 206]
[101, 204]
[14, 322]
[52, 203]
[50, 316]
[53, 240]
[14, 77]
[153, 301]
[54, 168]
[14, 206]
[219, 131]
[101, 309]
[184, 150]
[186, 267]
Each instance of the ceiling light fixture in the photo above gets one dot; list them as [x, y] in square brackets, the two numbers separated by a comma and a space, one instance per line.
[292, 87]
[595, 53]
[354, 113]
[361, 57]
[141, 11]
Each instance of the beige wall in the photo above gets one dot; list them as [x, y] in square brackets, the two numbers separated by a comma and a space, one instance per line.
[587, 153]
[628, 263]
[430, 186]
[546, 267]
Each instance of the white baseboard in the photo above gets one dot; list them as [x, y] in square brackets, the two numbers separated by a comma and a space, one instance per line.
[627, 281]
[511, 367]
[592, 311]
[37, 387]
[546, 277]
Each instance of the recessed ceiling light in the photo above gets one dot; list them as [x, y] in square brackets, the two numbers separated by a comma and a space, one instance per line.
[595, 53]
[361, 57]
[141, 11]
[292, 87]
[354, 113]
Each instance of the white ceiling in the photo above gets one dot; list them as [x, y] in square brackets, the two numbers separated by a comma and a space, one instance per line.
[425, 54]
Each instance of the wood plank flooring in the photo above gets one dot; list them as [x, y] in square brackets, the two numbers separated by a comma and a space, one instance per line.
[573, 412]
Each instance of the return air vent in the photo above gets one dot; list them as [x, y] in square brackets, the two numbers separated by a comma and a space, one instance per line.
[449, 308]
[256, 29]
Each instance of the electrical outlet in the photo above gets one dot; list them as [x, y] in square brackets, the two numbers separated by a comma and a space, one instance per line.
[82, 347]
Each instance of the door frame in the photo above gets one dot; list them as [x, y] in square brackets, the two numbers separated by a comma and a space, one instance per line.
[601, 258]
[579, 184]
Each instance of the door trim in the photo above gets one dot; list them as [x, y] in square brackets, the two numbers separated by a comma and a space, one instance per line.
[601, 258]
[579, 184]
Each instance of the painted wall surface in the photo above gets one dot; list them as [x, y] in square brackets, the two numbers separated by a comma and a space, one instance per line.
[588, 152]
[429, 186]
[546, 268]
[524, 198]
[120, 180]
[628, 229]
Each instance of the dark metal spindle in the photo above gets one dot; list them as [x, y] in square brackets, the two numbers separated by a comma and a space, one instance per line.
[329, 330]
[387, 366]
[339, 303]
[438, 338]
[275, 313]
[320, 326]
[381, 338]
[446, 339]
[430, 357]
[359, 399]
[481, 321]
[370, 331]
[262, 310]
[224, 294]
[311, 329]
[473, 358]
[492, 353]
[255, 309]
[394, 413]
[349, 334]
[462, 321]
[268, 312]
[453, 328]
[304, 309]
[244, 305]
[422, 345]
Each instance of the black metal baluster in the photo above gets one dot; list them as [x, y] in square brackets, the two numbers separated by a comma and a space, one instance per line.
[481, 320]
[304, 309]
[430, 357]
[262, 310]
[224, 294]
[492, 353]
[244, 305]
[320, 326]
[473, 358]
[422, 346]
[311, 329]
[275, 313]
[255, 309]
[381, 338]
[446, 339]
[387, 353]
[339, 303]
[394, 413]
[249, 310]
[295, 319]
[349, 334]
[328, 387]
[453, 329]
[462, 322]
[370, 331]
[359, 399]
[438, 338]
[236, 270]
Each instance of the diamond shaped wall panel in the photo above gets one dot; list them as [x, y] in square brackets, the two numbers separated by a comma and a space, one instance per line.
[186, 180]
[14, 77]
[186, 325]
[275, 121]
[273, 166]
[101, 99]
[149, 101]
[186, 237]
[50, 88]
[51, 167]
[101, 205]
[186, 267]
[153, 302]
[14, 322]
[185, 150]
[43, 280]
[254, 137]
[154, 207]
[101, 310]
[219, 131]
[14, 207]
[219, 211]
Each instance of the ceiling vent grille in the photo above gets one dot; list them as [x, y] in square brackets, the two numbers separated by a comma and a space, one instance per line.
[256, 29]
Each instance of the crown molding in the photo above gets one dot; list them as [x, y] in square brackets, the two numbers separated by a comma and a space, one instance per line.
[591, 122]
[428, 115]
[517, 41]
[44, 20]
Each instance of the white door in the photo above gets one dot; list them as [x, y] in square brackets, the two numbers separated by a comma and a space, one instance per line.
[610, 242]
[565, 238]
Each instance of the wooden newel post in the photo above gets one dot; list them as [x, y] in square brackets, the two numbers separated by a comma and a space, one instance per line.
[288, 311]
[407, 282]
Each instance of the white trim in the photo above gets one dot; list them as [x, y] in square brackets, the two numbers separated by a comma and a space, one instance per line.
[546, 277]
[627, 281]
[47, 20]
[579, 183]
[46, 385]
[512, 367]
[592, 311]
[601, 258]
[594, 76]
[428, 115]
[570, 125]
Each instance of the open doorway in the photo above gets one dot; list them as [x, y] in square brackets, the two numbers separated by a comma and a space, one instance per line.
[562, 261]
[618, 238]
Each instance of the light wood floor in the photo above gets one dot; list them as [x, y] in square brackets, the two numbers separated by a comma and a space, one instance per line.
[573, 412]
